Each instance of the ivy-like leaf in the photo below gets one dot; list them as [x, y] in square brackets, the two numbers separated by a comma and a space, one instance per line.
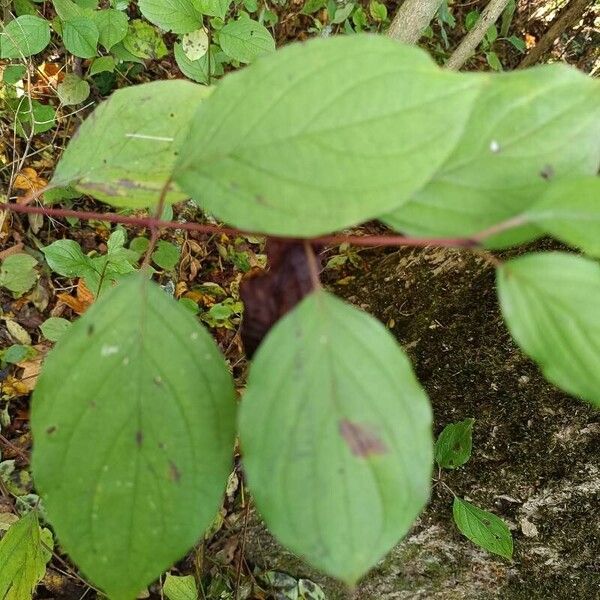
[453, 446]
[24, 36]
[570, 211]
[550, 303]
[24, 552]
[125, 150]
[323, 135]
[336, 436]
[73, 90]
[178, 16]
[214, 8]
[246, 40]
[17, 273]
[133, 420]
[112, 26]
[483, 528]
[525, 128]
[80, 36]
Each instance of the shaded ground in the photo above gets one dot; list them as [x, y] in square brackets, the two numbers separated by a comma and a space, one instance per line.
[535, 449]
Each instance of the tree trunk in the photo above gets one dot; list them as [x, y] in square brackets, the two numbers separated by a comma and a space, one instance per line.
[470, 42]
[567, 17]
[412, 19]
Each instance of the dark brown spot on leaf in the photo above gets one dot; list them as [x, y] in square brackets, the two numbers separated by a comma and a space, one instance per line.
[174, 472]
[361, 439]
[139, 438]
[51, 429]
[547, 172]
[90, 329]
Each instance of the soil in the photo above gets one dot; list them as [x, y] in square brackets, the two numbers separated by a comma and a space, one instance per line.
[535, 449]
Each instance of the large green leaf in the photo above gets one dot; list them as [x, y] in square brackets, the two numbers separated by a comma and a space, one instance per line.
[550, 303]
[323, 135]
[178, 16]
[124, 152]
[133, 420]
[570, 211]
[525, 127]
[24, 36]
[336, 436]
[24, 552]
[80, 36]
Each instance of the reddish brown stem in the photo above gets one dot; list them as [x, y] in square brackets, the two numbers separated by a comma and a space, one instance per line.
[330, 240]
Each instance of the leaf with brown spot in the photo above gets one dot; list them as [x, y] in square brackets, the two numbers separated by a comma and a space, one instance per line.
[361, 440]
[333, 427]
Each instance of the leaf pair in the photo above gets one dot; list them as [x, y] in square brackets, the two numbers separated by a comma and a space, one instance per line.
[328, 134]
[134, 420]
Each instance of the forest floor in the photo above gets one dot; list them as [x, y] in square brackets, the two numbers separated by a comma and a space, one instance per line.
[535, 450]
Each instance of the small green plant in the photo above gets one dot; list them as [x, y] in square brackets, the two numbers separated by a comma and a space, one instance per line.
[452, 450]
[135, 416]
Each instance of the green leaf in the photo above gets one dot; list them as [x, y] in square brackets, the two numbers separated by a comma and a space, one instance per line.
[67, 9]
[180, 588]
[54, 328]
[550, 303]
[178, 16]
[491, 35]
[144, 41]
[518, 43]
[32, 116]
[66, 258]
[482, 528]
[507, 17]
[101, 65]
[332, 404]
[112, 27]
[214, 8]
[312, 6]
[166, 255]
[245, 40]
[493, 61]
[126, 149]
[323, 135]
[18, 274]
[453, 446]
[377, 9]
[13, 74]
[73, 90]
[197, 70]
[570, 211]
[24, 36]
[17, 353]
[141, 434]
[23, 558]
[471, 19]
[524, 125]
[80, 36]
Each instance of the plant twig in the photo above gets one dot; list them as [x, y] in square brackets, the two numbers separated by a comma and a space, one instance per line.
[160, 206]
[566, 18]
[412, 19]
[470, 42]
[369, 241]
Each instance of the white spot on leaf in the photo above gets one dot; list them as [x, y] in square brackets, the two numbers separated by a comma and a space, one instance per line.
[107, 350]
